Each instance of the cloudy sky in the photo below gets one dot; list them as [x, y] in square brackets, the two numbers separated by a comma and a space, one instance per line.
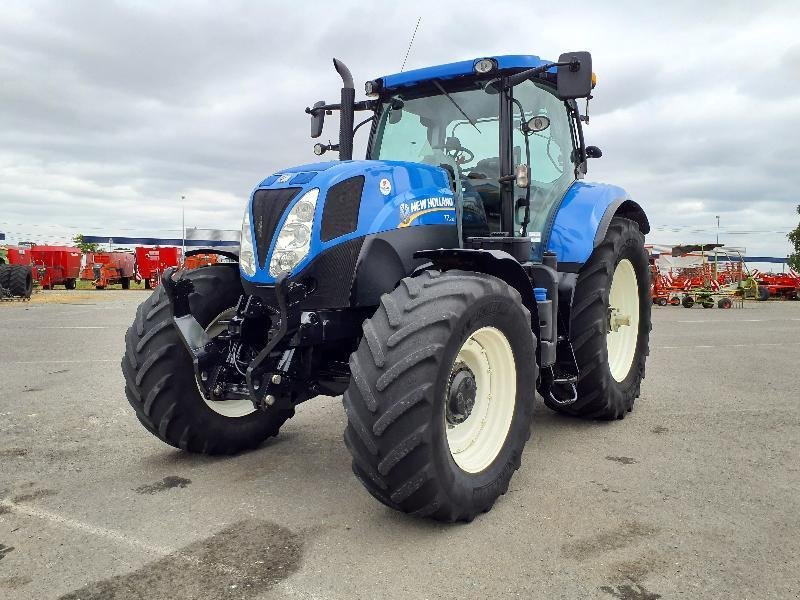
[111, 111]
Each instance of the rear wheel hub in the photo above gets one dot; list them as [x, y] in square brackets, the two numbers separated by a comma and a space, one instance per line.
[461, 394]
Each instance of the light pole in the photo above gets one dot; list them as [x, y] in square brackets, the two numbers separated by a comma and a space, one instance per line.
[716, 263]
[183, 230]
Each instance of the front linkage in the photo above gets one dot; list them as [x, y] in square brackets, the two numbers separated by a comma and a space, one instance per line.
[264, 353]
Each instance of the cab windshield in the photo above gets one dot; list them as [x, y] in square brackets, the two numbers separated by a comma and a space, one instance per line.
[458, 131]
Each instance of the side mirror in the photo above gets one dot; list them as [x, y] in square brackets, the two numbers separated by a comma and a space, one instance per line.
[593, 152]
[536, 124]
[317, 118]
[575, 79]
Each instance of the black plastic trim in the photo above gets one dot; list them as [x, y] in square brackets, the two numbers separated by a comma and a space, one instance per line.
[342, 205]
[622, 207]
[268, 207]
[387, 257]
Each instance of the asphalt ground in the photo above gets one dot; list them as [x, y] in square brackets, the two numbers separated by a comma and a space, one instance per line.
[696, 494]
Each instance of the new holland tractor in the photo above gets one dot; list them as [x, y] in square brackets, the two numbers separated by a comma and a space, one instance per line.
[438, 284]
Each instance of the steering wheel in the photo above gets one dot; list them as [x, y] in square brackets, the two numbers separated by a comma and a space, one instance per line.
[459, 153]
[463, 155]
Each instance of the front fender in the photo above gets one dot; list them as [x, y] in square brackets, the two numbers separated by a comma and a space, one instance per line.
[582, 220]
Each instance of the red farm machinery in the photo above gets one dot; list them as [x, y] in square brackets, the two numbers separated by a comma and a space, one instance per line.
[107, 268]
[778, 285]
[56, 265]
[152, 262]
[47, 265]
[16, 274]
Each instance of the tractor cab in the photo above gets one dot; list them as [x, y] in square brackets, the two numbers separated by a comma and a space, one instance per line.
[502, 128]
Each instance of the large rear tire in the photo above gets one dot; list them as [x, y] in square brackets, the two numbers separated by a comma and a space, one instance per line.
[441, 395]
[160, 381]
[610, 325]
[5, 274]
[20, 280]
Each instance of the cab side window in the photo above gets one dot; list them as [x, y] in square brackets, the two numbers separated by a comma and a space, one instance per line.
[551, 152]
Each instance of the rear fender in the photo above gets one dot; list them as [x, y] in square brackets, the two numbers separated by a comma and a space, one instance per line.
[582, 220]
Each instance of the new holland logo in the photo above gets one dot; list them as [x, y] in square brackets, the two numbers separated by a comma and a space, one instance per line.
[411, 211]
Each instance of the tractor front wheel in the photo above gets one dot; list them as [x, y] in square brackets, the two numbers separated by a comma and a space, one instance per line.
[441, 394]
[610, 325]
[160, 381]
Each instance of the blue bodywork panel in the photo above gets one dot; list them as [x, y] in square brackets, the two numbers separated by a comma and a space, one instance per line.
[572, 235]
[458, 69]
[417, 195]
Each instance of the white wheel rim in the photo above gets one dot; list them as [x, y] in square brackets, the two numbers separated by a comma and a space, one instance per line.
[475, 442]
[623, 320]
[227, 408]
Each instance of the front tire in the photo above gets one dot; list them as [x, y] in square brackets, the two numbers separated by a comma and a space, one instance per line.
[160, 380]
[610, 325]
[441, 395]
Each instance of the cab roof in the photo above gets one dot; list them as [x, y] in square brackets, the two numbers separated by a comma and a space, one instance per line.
[459, 69]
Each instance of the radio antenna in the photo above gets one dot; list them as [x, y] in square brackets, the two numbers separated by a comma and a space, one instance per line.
[413, 35]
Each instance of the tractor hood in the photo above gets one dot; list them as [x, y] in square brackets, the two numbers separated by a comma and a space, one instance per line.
[356, 198]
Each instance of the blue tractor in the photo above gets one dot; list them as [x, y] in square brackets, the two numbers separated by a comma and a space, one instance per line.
[438, 284]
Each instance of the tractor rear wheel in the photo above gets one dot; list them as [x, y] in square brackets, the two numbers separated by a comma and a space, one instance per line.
[610, 325]
[160, 380]
[441, 394]
[20, 280]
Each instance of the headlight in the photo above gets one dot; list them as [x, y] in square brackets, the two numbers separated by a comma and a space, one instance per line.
[247, 260]
[294, 238]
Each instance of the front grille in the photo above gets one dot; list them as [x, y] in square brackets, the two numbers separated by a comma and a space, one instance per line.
[268, 207]
[341, 208]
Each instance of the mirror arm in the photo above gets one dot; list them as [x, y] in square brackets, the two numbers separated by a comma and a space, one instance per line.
[362, 105]
[513, 80]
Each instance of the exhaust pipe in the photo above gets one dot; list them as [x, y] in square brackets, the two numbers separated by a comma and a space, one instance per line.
[347, 112]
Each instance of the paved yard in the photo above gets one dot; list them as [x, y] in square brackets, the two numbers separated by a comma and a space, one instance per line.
[695, 495]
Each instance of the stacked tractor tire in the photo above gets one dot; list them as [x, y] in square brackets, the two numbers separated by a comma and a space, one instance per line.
[16, 281]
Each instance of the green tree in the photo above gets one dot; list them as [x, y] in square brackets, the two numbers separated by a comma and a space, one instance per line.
[794, 238]
[84, 246]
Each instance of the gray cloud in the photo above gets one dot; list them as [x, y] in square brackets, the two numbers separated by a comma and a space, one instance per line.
[110, 111]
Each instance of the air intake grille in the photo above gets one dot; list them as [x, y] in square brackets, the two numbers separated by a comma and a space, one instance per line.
[341, 208]
[268, 207]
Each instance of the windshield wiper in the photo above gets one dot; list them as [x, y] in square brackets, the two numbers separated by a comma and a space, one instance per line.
[449, 97]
